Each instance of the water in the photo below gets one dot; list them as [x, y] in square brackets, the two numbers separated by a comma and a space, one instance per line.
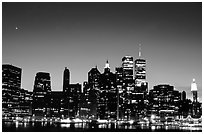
[88, 127]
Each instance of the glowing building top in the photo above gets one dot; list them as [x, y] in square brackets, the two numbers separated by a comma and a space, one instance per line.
[194, 86]
[107, 64]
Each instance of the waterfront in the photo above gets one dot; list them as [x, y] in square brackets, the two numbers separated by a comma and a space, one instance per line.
[13, 126]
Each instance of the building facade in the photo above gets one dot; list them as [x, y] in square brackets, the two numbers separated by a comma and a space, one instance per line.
[164, 101]
[41, 91]
[128, 85]
[11, 86]
[107, 107]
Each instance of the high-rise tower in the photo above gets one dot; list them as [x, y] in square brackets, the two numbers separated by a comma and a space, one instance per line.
[140, 70]
[139, 96]
[128, 85]
[194, 91]
[66, 79]
[42, 87]
[196, 106]
[93, 78]
[93, 91]
[11, 84]
[107, 96]
[127, 64]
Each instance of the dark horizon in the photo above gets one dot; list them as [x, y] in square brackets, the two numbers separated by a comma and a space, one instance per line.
[51, 36]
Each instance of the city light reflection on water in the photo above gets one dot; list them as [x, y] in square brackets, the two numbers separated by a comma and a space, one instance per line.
[54, 126]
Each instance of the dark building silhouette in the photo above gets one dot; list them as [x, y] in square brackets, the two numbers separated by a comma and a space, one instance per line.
[66, 88]
[66, 79]
[56, 104]
[92, 92]
[120, 92]
[84, 102]
[73, 95]
[107, 106]
[183, 96]
[11, 85]
[41, 100]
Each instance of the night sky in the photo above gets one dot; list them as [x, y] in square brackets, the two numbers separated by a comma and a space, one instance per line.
[51, 36]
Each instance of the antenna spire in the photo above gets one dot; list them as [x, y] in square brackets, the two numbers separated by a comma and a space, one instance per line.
[140, 50]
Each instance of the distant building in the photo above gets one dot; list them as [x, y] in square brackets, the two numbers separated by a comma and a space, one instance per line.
[41, 100]
[11, 85]
[66, 88]
[66, 79]
[183, 96]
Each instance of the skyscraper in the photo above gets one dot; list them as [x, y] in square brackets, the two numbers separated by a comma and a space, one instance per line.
[195, 104]
[11, 75]
[93, 91]
[41, 100]
[120, 92]
[140, 73]
[139, 95]
[127, 65]
[93, 78]
[66, 79]
[11, 84]
[73, 96]
[128, 84]
[108, 95]
[194, 91]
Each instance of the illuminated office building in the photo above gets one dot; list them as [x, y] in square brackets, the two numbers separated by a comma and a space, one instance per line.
[139, 96]
[128, 84]
[164, 101]
[11, 85]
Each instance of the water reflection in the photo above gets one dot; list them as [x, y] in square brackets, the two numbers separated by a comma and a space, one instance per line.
[89, 126]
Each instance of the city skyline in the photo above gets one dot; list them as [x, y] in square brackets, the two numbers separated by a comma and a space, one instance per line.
[51, 36]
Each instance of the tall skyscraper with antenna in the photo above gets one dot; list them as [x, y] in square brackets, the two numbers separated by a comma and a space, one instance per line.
[139, 97]
[140, 70]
